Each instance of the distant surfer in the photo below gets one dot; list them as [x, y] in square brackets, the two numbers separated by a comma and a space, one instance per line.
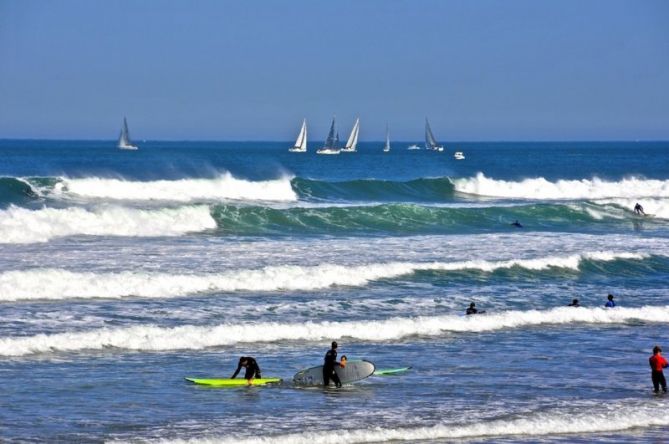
[657, 363]
[472, 310]
[517, 224]
[574, 303]
[329, 366]
[610, 303]
[638, 209]
[251, 366]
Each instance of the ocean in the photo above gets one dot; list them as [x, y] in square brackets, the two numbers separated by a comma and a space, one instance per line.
[122, 272]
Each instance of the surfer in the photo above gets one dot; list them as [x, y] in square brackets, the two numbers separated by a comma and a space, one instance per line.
[329, 367]
[657, 363]
[251, 366]
[517, 224]
[574, 303]
[472, 310]
[610, 303]
[638, 209]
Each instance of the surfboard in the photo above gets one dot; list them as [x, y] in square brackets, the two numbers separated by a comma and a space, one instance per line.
[227, 382]
[353, 372]
[390, 371]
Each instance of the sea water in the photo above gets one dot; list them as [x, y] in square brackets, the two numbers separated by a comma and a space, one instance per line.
[123, 272]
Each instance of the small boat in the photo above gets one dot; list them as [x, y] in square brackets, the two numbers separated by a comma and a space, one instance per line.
[352, 138]
[459, 155]
[301, 142]
[331, 142]
[413, 147]
[124, 142]
[430, 141]
[386, 148]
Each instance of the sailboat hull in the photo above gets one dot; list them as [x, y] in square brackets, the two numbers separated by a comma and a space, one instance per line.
[328, 151]
[128, 147]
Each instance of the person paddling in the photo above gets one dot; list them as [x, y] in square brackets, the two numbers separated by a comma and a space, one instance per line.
[574, 303]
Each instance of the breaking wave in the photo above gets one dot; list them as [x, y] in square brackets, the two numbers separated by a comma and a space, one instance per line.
[58, 284]
[20, 225]
[605, 418]
[540, 188]
[222, 187]
[190, 337]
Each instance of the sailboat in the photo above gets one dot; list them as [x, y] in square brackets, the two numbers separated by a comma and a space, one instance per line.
[301, 142]
[430, 141]
[124, 142]
[387, 147]
[331, 142]
[352, 138]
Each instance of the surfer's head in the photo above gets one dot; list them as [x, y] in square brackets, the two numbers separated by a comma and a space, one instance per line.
[610, 297]
[334, 344]
[657, 349]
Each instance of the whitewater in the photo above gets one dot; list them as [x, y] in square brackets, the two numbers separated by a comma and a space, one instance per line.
[123, 273]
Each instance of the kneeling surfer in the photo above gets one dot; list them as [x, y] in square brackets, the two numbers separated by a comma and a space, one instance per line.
[329, 364]
[251, 366]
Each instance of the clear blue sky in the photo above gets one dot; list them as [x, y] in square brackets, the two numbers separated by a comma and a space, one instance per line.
[250, 70]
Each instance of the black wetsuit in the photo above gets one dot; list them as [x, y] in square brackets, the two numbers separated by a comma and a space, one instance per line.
[252, 368]
[329, 368]
[472, 311]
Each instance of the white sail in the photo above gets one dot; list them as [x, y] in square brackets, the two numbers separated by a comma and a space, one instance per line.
[301, 142]
[352, 138]
[124, 142]
[387, 147]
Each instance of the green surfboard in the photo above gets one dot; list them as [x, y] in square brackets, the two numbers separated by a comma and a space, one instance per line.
[227, 382]
[391, 371]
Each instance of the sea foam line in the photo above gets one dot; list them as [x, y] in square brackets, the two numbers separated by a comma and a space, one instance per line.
[20, 225]
[190, 337]
[58, 284]
[225, 186]
[604, 418]
[540, 188]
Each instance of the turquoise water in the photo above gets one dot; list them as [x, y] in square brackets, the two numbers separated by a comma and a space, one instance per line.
[123, 272]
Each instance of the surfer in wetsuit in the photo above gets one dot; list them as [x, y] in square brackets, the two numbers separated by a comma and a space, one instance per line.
[517, 224]
[251, 366]
[329, 367]
[638, 209]
[657, 363]
[574, 303]
[472, 310]
[610, 303]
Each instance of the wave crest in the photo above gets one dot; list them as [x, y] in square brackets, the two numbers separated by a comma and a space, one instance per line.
[189, 337]
[540, 188]
[62, 284]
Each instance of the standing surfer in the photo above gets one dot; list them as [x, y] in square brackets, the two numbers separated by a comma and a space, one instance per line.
[657, 363]
[638, 209]
[329, 367]
[251, 366]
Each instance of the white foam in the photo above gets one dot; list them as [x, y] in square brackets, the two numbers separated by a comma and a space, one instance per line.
[657, 207]
[155, 338]
[63, 284]
[602, 418]
[222, 187]
[20, 225]
[540, 188]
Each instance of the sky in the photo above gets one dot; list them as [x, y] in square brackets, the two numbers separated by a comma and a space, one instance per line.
[481, 70]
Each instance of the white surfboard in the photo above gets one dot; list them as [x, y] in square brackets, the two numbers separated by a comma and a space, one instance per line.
[354, 371]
